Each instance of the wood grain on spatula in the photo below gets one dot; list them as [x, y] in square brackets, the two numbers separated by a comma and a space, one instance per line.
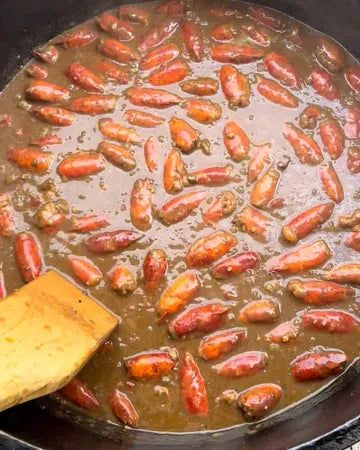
[48, 330]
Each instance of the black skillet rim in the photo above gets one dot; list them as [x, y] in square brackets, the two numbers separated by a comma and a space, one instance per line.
[62, 23]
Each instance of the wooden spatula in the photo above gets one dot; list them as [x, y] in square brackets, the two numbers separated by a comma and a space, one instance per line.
[48, 330]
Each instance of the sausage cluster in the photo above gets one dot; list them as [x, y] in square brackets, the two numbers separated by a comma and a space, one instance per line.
[324, 132]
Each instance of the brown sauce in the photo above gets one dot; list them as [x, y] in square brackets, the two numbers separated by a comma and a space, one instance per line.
[158, 402]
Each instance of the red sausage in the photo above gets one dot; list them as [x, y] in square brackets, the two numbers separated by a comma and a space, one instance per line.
[173, 72]
[265, 310]
[353, 241]
[118, 51]
[192, 385]
[53, 115]
[159, 34]
[135, 14]
[353, 160]
[329, 54]
[235, 86]
[111, 241]
[276, 93]
[151, 98]
[224, 32]
[305, 257]
[31, 159]
[142, 118]
[210, 248]
[159, 56]
[151, 153]
[205, 317]
[85, 78]
[314, 292]
[141, 203]
[77, 38]
[149, 365]
[331, 183]
[239, 263]
[352, 122]
[236, 141]
[117, 132]
[154, 268]
[347, 273]
[94, 104]
[304, 146]
[267, 18]
[235, 53]
[86, 224]
[77, 392]
[213, 176]
[123, 409]
[306, 222]
[180, 207]
[252, 221]
[257, 34]
[44, 91]
[258, 400]
[49, 54]
[81, 164]
[193, 40]
[242, 364]
[352, 76]
[203, 111]
[333, 137]
[265, 188]
[118, 155]
[85, 270]
[324, 85]
[28, 256]
[316, 365]
[178, 294]
[201, 86]
[118, 28]
[281, 68]
[283, 333]
[221, 207]
[329, 320]
[215, 344]
[113, 72]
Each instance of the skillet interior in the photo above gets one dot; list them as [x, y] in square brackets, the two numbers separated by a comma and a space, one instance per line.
[71, 12]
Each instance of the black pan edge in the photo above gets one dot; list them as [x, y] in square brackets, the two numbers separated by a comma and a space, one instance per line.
[341, 437]
[24, 24]
[115, 431]
[21, 35]
[10, 442]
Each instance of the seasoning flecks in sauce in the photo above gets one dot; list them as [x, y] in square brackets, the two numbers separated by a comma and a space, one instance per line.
[195, 169]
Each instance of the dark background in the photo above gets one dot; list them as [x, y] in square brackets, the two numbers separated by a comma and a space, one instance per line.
[27, 23]
[24, 23]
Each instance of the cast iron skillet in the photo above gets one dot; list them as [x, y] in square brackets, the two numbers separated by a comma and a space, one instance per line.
[23, 25]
